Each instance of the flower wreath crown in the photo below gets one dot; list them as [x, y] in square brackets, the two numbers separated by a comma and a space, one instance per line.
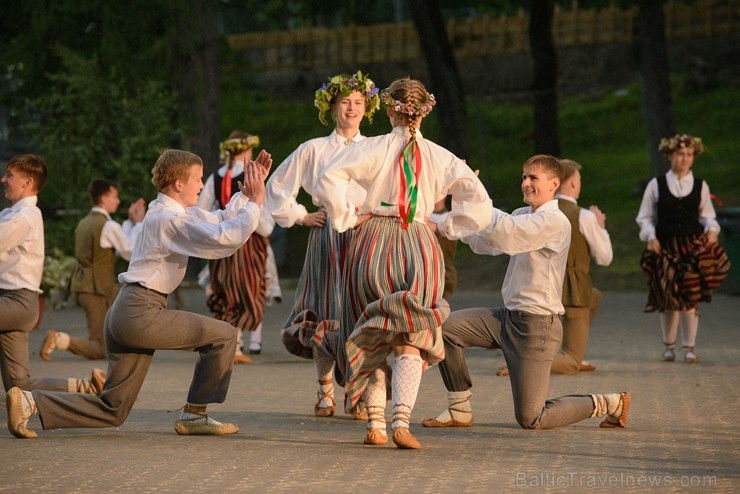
[343, 85]
[233, 147]
[670, 144]
[413, 111]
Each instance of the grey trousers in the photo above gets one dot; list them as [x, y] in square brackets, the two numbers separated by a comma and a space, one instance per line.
[529, 343]
[95, 307]
[19, 310]
[138, 323]
[576, 327]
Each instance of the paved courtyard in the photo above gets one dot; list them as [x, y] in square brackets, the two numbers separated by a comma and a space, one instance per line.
[682, 435]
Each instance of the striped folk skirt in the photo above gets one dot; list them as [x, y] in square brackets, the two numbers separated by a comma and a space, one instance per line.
[394, 280]
[686, 272]
[238, 285]
[314, 318]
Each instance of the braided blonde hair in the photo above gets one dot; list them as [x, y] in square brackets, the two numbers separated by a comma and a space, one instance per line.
[410, 101]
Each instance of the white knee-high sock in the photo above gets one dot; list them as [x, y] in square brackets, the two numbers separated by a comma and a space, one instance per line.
[374, 398]
[669, 326]
[406, 379]
[689, 324]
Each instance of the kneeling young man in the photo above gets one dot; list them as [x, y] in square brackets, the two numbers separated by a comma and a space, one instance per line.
[528, 328]
[139, 322]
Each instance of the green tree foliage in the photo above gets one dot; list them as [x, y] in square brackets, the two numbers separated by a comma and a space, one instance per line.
[91, 123]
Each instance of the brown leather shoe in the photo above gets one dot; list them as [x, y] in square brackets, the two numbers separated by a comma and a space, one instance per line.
[586, 367]
[17, 420]
[611, 422]
[376, 437]
[449, 423]
[48, 345]
[358, 411]
[240, 358]
[404, 439]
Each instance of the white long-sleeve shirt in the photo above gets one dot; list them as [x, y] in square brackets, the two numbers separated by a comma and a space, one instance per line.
[117, 236]
[207, 199]
[301, 170]
[170, 234]
[597, 238]
[647, 216]
[372, 163]
[538, 243]
[22, 246]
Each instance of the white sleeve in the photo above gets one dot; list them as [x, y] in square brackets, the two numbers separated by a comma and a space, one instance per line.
[597, 238]
[648, 214]
[121, 238]
[282, 189]
[707, 216]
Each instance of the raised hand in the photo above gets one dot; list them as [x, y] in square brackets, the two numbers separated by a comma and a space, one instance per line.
[264, 163]
[254, 181]
[136, 211]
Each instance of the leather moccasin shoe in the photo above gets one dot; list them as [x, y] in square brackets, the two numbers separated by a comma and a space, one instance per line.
[204, 426]
[49, 345]
[376, 437]
[619, 422]
[17, 420]
[449, 423]
[404, 439]
[586, 367]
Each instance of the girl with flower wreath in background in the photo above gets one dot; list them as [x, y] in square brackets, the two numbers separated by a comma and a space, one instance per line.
[394, 278]
[683, 261]
[237, 290]
[311, 328]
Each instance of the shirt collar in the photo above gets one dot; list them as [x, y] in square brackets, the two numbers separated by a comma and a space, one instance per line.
[566, 198]
[675, 177]
[339, 140]
[101, 211]
[403, 130]
[169, 202]
[26, 202]
[548, 206]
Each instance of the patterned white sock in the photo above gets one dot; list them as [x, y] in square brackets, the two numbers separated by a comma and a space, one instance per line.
[458, 407]
[406, 379]
[609, 404]
[255, 338]
[374, 398]
[28, 404]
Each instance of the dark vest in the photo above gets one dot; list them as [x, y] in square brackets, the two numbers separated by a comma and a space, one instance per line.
[577, 281]
[218, 185]
[678, 217]
[95, 265]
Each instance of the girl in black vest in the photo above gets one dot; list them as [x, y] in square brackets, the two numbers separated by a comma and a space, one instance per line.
[683, 261]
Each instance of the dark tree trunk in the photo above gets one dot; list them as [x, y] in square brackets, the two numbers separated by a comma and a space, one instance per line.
[196, 49]
[445, 79]
[650, 52]
[545, 75]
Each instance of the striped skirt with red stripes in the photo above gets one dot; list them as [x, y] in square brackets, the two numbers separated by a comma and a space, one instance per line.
[238, 285]
[317, 306]
[685, 273]
[393, 286]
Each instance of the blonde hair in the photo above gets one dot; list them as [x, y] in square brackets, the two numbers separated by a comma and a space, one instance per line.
[549, 163]
[410, 93]
[570, 168]
[31, 165]
[172, 165]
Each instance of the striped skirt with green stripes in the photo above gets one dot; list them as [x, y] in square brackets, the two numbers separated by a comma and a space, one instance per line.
[394, 281]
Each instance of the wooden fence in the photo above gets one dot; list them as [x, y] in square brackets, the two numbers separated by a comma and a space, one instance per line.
[471, 38]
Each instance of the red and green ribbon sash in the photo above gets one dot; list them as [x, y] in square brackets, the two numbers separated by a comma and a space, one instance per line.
[409, 181]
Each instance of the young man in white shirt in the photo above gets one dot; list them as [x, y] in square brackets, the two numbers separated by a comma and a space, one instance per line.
[98, 239]
[528, 328]
[21, 267]
[138, 322]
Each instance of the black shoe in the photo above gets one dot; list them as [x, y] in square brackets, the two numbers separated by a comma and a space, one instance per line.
[256, 351]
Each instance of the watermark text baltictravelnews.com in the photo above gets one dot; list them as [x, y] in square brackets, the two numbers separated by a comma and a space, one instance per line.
[575, 479]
